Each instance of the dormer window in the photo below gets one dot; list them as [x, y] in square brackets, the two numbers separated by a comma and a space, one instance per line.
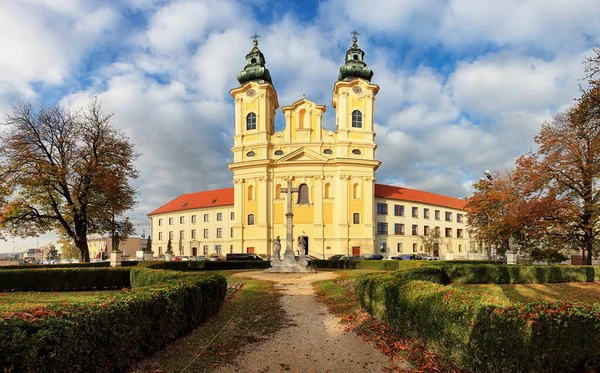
[250, 121]
[356, 119]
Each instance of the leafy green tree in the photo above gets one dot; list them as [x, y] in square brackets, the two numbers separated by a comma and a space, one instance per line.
[431, 240]
[64, 169]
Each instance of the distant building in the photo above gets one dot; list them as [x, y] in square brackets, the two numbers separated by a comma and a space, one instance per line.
[33, 256]
[98, 244]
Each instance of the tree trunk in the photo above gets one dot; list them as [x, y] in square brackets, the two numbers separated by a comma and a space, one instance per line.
[588, 242]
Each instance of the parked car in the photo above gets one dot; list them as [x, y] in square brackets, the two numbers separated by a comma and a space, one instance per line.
[352, 258]
[337, 257]
[200, 258]
[184, 258]
[242, 256]
[394, 258]
[214, 257]
[374, 257]
[432, 258]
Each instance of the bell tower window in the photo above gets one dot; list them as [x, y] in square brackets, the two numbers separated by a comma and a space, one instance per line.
[356, 119]
[251, 121]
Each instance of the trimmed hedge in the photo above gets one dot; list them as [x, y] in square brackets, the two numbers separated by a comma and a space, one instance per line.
[478, 335]
[69, 265]
[511, 274]
[207, 265]
[112, 335]
[64, 279]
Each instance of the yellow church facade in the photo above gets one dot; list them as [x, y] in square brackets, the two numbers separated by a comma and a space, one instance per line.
[336, 206]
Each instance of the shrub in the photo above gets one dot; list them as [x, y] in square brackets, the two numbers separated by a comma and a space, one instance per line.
[475, 332]
[112, 335]
[386, 265]
[64, 279]
[207, 265]
[66, 265]
[510, 274]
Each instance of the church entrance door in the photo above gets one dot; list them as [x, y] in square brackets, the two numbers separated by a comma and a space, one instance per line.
[355, 250]
[194, 251]
[436, 250]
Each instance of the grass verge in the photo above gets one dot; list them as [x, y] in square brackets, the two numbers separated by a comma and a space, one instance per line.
[584, 292]
[252, 314]
[24, 301]
[339, 298]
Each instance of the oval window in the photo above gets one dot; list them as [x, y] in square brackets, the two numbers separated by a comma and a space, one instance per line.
[278, 152]
[356, 152]
[328, 151]
[250, 154]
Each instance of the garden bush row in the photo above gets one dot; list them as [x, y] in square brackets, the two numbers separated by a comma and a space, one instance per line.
[64, 279]
[110, 335]
[518, 274]
[478, 334]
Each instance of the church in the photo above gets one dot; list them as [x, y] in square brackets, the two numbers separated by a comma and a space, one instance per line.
[337, 206]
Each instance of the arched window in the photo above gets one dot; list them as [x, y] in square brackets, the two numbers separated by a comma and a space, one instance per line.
[356, 119]
[277, 191]
[250, 192]
[251, 121]
[328, 190]
[356, 191]
[303, 194]
[250, 219]
[356, 218]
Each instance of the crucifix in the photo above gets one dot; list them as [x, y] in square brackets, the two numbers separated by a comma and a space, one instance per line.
[289, 234]
[255, 38]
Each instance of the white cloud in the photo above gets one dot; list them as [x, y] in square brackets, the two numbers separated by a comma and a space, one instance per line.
[176, 25]
[550, 24]
[512, 81]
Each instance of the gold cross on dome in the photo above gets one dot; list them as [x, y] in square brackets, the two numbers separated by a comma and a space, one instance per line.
[355, 33]
[255, 38]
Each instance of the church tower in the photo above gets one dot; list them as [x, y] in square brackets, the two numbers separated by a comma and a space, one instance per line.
[255, 106]
[353, 101]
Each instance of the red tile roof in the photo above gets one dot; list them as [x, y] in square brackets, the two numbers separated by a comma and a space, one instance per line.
[224, 197]
[412, 195]
[190, 201]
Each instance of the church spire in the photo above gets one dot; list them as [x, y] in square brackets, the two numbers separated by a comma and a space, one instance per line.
[355, 66]
[255, 69]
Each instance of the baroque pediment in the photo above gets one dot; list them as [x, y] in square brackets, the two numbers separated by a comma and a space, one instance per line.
[302, 155]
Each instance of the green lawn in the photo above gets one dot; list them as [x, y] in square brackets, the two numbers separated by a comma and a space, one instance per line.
[22, 301]
[585, 292]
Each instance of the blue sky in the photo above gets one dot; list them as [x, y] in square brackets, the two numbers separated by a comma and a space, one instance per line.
[465, 84]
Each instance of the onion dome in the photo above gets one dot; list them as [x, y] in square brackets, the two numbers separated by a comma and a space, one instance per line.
[355, 66]
[255, 69]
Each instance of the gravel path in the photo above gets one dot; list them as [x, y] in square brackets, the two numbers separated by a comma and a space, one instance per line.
[317, 343]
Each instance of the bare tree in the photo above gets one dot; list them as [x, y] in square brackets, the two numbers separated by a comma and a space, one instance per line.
[64, 169]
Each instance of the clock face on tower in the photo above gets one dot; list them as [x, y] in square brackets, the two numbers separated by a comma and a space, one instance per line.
[356, 89]
[251, 92]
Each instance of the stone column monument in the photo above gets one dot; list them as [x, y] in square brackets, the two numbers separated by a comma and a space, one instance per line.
[289, 263]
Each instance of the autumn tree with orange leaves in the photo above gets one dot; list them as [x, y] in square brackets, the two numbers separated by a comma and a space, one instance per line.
[64, 169]
[553, 195]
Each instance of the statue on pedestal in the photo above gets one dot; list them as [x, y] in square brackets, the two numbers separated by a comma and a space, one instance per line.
[277, 248]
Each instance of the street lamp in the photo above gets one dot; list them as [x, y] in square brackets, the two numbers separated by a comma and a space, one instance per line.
[488, 174]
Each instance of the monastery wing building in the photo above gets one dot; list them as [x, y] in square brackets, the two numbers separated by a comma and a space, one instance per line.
[338, 207]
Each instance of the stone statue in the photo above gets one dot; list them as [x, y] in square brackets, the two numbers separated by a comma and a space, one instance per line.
[277, 248]
[301, 247]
